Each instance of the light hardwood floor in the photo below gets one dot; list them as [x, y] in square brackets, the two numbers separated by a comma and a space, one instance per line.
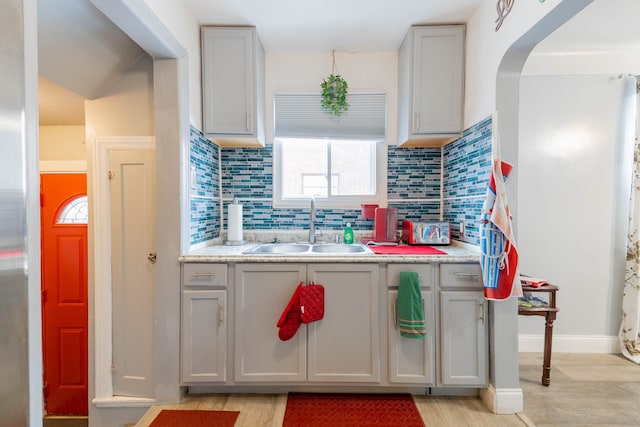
[268, 410]
[585, 390]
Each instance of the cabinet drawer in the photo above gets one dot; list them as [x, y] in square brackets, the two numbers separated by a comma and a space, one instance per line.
[461, 275]
[203, 274]
[425, 273]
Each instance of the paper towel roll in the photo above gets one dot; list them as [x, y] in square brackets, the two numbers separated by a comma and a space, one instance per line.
[234, 226]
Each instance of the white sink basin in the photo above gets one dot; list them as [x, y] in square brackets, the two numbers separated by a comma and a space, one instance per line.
[340, 248]
[308, 249]
[279, 248]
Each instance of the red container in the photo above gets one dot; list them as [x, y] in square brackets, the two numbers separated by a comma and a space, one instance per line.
[385, 225]
[368, 210]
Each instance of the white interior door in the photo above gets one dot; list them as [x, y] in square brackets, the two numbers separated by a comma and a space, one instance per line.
[133, 224]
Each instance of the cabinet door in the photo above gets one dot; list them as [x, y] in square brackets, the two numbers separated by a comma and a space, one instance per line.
[227, 79]
[411, 360]
[437, 80]
[463, 342]
[204, 336]
[262, 293]
[343, 346]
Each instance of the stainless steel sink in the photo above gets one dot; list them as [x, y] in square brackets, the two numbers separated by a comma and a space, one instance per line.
[338, 248]
[279, 248]
[307, 249]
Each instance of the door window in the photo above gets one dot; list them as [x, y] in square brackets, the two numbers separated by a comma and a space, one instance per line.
[74, 212]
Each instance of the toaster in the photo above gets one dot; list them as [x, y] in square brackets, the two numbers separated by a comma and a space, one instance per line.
[426, 233]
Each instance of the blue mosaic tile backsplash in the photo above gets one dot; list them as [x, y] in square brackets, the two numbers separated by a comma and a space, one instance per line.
[414, 175]
[247, 174]
[204, 197]
[467, 162]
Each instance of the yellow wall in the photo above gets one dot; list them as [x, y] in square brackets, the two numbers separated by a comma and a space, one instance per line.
[62, 143]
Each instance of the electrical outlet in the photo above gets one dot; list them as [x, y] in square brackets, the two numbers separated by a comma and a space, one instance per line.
[462, 228]
[192, 177]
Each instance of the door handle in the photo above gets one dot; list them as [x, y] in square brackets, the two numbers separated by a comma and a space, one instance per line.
[152, 257]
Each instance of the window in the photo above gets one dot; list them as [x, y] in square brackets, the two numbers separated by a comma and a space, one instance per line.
[340, 161]
[315, 184]
[74, 212]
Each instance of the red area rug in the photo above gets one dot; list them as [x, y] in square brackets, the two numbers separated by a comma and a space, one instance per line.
[406, 250]
[195, 418]
[352, 410]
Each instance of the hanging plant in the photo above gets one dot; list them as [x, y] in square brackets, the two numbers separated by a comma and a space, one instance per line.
[334, 92]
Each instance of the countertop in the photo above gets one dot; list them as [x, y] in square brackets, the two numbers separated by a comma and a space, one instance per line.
[457, 252]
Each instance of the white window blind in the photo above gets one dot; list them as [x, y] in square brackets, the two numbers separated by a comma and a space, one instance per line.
[302, 116]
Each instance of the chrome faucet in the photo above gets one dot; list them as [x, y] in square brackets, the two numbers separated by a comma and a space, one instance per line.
[312, 221]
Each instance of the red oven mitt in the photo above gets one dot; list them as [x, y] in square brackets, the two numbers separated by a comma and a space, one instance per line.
[311, 303]
[290, 318]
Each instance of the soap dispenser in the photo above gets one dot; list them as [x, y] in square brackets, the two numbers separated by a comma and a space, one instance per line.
[348, 234]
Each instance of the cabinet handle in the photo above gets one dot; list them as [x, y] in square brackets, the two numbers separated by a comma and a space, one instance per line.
[461, 274]
[199, 275]
[395, 313]
[221, 315]
[481, 307]
[247, 117]
[416, 122]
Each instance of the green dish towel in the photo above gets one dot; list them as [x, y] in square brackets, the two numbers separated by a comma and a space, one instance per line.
[410, 307]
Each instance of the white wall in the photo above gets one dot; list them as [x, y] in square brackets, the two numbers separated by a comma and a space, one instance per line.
[570, 163]
[303, 72]
[486, 49]
[179, 20]
[126, 107]
[558, 113]
[62, 143]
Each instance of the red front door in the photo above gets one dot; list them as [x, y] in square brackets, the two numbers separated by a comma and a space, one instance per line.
[64, 293]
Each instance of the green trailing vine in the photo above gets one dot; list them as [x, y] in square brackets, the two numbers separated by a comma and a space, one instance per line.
[334, 92]
[334, 95]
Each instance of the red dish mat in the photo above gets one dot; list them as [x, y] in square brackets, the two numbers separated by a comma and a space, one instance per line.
[351, 410]
[195, 418]
[407, 250]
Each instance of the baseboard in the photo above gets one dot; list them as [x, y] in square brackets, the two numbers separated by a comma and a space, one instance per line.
[607, 344]
[503, 401]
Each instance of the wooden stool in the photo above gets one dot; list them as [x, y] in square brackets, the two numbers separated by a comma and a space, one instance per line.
[549, 312]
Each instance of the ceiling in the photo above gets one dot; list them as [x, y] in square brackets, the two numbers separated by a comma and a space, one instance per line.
[81, 52]
[322, 26]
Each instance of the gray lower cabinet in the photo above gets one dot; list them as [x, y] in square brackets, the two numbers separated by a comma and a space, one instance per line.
[463, 326]
[342, 347]
[411, 360]
[262, 291]
[204, 324]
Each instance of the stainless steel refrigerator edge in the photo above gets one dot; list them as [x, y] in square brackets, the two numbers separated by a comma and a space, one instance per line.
[20, 330]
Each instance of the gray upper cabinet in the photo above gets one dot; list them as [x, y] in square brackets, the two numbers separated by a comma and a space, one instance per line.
[233, 86]
[431, 85]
